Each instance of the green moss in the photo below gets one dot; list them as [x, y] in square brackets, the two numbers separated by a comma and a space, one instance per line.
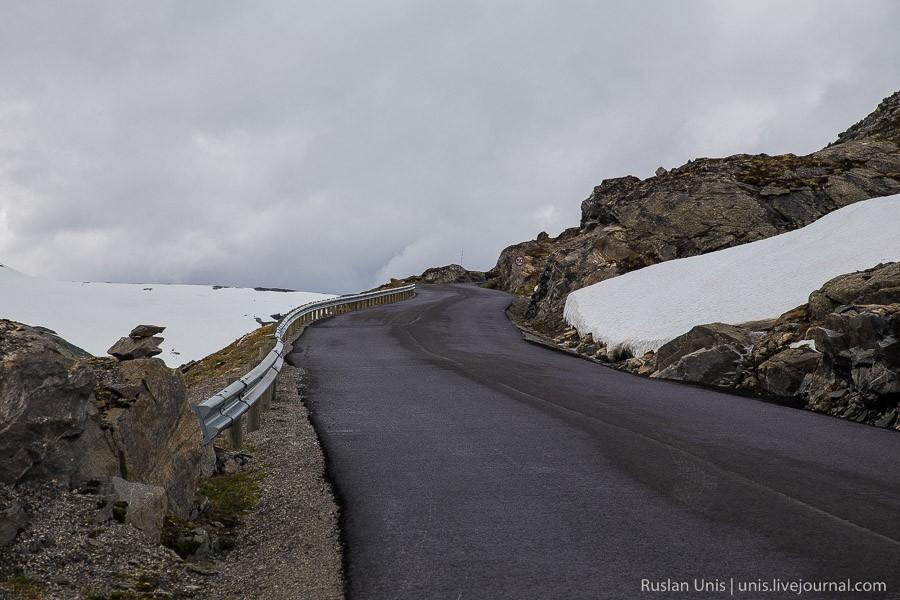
[764, 170]
[22, 587]
[232, 361]
[231, 496]
[130, 595]
[132, 586]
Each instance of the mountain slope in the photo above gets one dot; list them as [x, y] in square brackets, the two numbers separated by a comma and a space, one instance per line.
[706, 205]
[640, 311]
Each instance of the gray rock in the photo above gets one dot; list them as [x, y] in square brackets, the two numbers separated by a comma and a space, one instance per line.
[128, 348]
[13, 519]
[660, 171]
[703, 337]
[45, 395]
[145, 331]
[146, 506]
[784, 374]
[714, 366]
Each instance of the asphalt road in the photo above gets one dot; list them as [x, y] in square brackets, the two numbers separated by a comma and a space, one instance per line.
[472, 464]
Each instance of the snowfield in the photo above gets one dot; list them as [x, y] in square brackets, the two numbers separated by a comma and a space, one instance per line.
[199, 319]
[644, 309]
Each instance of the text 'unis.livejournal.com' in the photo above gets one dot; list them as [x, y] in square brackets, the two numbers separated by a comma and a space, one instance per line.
[776, 586]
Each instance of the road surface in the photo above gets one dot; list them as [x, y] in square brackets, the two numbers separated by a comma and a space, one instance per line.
[472, 464]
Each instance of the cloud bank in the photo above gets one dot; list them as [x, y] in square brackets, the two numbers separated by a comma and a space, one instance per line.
[329, 145]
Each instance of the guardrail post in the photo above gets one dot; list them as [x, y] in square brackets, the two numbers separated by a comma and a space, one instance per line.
[267, 398]
[253, 417]
[236, 433]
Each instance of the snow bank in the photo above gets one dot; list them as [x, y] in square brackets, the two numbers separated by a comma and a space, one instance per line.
[199, 319]
[644, 309]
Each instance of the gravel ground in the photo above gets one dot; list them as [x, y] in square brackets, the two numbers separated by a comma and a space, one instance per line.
[289, 546]
[72, 549]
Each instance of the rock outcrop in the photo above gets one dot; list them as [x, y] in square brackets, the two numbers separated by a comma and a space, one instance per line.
[839, 353]
[446, 274]
[83, 421]
[708, 204]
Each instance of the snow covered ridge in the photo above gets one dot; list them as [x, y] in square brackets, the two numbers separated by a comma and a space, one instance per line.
[642, 310]
[199, 319]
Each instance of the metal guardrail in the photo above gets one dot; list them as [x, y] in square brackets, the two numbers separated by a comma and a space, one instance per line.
[226, 409]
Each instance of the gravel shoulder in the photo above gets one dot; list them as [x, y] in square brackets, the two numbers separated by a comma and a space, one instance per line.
[289, 545]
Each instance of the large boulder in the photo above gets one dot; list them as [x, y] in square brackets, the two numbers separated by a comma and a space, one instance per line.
[45, 403]
[77, 420]
[157, 436]
[879, 285]
[144, 506]
[785, 373]
[702, 337]
[709, 354]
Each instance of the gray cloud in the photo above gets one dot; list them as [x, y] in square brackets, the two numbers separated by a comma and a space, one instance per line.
[327, 146]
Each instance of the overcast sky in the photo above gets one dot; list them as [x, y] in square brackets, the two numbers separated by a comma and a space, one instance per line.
[326, 146]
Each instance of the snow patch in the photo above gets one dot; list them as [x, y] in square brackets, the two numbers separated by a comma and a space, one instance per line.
[811, 344]
[642, 310]
[199, 320]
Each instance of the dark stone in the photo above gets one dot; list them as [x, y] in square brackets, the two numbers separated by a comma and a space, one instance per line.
[718, 366]
[128, 348]
[13, 519]
[145, 331]
[704, 337]
[119, 510]
[784, 373]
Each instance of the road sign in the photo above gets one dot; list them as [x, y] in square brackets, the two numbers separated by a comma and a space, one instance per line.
[520, 260]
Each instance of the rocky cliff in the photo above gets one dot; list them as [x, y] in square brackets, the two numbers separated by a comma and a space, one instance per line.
[705, 205]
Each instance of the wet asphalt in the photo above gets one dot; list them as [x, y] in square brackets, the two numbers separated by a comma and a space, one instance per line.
[472, 464]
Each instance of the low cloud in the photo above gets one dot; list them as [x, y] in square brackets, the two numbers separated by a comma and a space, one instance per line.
[329, 146]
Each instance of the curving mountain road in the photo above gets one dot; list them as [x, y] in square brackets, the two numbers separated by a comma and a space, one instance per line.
[471, 464]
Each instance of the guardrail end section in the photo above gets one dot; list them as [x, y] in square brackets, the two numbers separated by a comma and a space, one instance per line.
[202, 412]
